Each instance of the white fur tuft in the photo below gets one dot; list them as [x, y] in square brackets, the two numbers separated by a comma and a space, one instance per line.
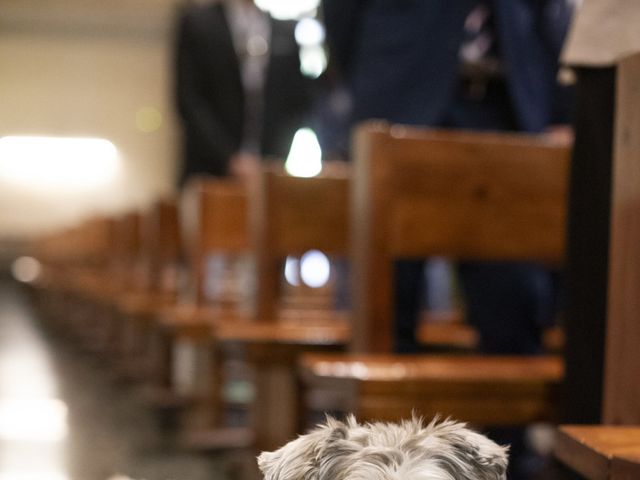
[409, 450]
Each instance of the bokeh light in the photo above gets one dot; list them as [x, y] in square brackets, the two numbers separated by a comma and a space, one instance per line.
[315, 269]
[288, 9]
[148, 119]
[305, 155]
[58, 162]
[292, 271]
[25, 269]
[309, 32]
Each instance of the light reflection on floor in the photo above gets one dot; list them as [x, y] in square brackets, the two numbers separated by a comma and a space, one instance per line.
[62, 416]
[33, 420]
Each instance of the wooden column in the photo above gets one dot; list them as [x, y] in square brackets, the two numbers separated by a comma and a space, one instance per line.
[371, 261]
[622, 363]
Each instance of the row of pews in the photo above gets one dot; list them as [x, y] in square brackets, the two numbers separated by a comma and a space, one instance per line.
[203, 274]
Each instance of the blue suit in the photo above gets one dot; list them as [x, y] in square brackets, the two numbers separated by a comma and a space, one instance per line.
[400, 59]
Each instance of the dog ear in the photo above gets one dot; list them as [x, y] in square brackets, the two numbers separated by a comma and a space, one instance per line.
[336, 450]
[461, 452]
[478, 458]
[306, 458]
[489, 458]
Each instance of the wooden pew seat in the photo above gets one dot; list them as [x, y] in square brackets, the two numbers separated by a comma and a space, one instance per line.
[289, 216]
[464, 196]
[144, 304]
[273, 349]
[319, 331]
[478, 389]
[600, 452]
[448, 330]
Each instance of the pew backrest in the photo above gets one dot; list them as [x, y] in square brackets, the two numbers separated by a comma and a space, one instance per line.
[214, 221]
[290, 216]
[464, 195]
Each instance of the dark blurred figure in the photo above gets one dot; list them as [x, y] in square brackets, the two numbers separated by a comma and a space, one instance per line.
[332, 115]
[482, 65]
[464, 64]
[238, 87]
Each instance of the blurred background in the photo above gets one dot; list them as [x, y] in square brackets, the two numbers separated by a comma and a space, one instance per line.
[93, 153]
[87, 127]
[94, 70]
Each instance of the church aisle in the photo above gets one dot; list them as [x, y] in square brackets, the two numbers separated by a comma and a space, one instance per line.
[61, 418]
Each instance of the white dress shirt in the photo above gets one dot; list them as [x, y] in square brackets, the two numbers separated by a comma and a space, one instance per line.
[251, 32]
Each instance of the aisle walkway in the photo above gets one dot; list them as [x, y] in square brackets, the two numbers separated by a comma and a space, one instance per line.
[61, 419]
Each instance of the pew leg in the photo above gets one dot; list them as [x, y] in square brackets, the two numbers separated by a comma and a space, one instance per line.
[277, 406]
[207, 427]
[278, 413]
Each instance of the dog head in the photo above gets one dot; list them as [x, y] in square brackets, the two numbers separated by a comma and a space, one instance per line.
[409, 450]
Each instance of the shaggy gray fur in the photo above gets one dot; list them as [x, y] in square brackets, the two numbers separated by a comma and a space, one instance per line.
[409, 450]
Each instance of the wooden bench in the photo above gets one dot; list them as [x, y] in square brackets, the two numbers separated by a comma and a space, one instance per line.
[75, 263]
[480, 390]
[612, 451]
[122, 277]
[149, 284]
[462, 195]
[448, 330]
[600, 452]
[290, 216]
[214, 225]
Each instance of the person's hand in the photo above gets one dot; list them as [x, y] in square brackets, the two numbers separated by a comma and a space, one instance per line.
[244, 165]
[560, 134]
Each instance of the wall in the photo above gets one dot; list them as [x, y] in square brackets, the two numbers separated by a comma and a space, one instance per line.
[85, 68]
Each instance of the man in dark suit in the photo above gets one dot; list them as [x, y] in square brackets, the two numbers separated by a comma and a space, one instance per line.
[238, 87]
[402, 57]
[469, 64]
[483, 65]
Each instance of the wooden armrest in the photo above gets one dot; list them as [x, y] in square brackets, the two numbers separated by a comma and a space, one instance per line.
[446, 334]
[447, 329]
[312, 332]
[195, 321]
[481, 390]
[144, 303]
[591, 450]
[474, 368]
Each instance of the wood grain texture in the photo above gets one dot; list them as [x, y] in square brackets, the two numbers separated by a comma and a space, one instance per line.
[591, 450]
[290, 216]
[464, 195]
[481, 390]
[331, 330]
[625, 468]
[214, 217]
[622, 364]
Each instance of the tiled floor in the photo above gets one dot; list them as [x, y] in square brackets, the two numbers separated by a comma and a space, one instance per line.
[62, 419]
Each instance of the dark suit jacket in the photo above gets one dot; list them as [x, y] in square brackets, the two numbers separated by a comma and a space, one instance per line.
[401, 56]
[210, 97]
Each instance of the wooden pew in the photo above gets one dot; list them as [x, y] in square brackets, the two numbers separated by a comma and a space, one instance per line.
[612, 451]
[448, 330]
[214, 224]
[600, 452]
[463, 195]
[149, 283]
[48, 286]
[290, 216]
[123, 276]
[114, 279]
[93, 244]
[74, 267]
[477, 389]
